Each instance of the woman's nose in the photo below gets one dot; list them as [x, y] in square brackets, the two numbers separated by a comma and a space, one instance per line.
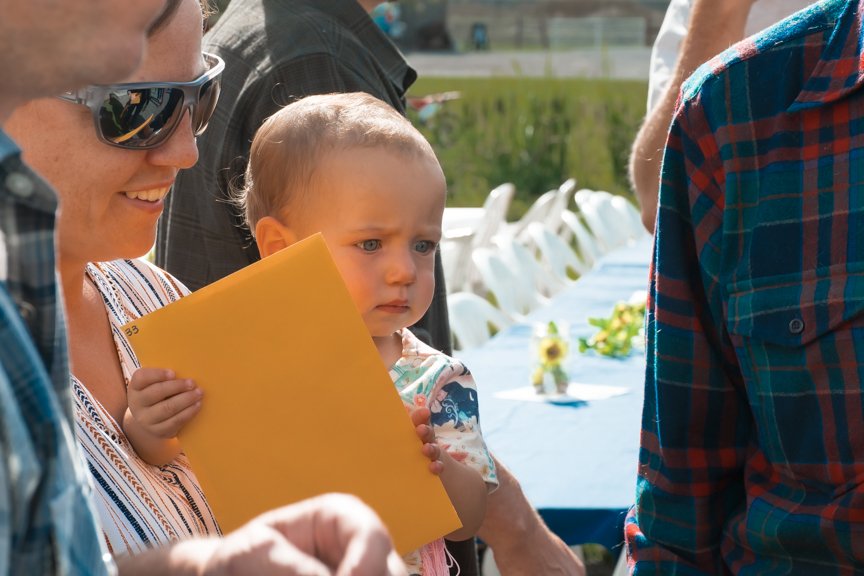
[181, 148]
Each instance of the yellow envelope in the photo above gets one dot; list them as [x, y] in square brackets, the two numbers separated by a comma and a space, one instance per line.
[296, 399]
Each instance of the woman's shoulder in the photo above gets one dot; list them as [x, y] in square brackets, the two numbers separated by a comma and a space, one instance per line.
[142, 279]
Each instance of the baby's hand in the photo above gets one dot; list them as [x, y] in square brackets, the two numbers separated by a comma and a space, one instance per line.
[161, 404]
[420, 418]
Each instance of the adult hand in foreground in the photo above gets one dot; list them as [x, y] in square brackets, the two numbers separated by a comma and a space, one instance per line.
[333, 534]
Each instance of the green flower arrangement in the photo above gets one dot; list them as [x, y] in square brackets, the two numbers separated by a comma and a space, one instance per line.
[615, 335]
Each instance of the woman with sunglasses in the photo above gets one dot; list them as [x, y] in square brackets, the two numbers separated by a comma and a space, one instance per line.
[112, 153]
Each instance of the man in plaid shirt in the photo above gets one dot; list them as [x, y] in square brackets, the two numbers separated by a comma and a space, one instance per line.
[752, 450]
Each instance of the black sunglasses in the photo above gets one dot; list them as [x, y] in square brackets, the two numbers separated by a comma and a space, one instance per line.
[144, 115]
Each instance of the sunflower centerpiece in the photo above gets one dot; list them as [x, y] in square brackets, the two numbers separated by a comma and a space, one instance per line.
[550, 351]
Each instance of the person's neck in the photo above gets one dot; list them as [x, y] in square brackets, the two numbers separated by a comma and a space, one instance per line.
[389, 348]
[72, 279]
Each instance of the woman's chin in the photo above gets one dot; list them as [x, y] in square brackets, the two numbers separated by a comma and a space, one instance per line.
[141, 247]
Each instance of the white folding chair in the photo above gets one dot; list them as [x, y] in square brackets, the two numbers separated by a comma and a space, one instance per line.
[559, 258]
[584, 244]
[539, 211]
[456, 260]
[494, 214]
[601, 218]
[563, 196]
[513, 295]
[472, 318]
[458, 246]
[546, 209]
[529, 271]
[630, 217]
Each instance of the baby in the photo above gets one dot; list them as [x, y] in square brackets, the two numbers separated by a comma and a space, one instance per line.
[352, 168]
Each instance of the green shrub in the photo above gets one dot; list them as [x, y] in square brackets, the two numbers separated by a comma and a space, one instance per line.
[534, 132]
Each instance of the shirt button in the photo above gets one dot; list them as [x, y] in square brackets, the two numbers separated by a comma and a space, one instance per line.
[19, 184]
[796, 326]
[27, 311]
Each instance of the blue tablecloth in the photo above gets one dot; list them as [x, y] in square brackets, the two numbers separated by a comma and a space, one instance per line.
[576, 464]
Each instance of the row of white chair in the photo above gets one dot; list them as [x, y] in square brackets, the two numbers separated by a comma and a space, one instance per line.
[520, 265]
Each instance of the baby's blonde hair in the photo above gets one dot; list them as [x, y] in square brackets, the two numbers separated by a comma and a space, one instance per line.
[289, 145]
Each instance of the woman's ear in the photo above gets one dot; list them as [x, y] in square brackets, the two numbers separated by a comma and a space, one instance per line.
[271, 236]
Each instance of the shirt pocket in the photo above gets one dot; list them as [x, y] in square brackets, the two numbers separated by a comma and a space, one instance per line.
[799, 339]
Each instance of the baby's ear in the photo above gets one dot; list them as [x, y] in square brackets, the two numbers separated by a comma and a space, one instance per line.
[271, 236]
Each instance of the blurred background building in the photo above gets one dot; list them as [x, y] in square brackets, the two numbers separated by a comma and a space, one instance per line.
[470, 25]
[527, 24]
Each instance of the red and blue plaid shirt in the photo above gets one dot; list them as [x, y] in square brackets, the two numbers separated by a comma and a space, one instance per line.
[752, 451]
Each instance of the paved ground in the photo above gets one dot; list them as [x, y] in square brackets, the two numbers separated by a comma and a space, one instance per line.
[619, 63]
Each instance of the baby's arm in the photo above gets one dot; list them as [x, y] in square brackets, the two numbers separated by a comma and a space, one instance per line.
[159, 407]
[465, 486]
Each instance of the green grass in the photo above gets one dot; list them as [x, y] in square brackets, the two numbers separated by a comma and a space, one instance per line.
[534, 132]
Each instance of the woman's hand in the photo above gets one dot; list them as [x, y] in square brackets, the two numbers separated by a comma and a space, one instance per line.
[420, 418]
[160, 403]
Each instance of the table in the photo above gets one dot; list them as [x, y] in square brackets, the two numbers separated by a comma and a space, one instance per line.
[577, 463]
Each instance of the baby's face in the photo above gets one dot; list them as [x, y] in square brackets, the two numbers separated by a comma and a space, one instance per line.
[380, 212]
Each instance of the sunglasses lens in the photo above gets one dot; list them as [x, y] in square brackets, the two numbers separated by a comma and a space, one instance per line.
[144, 116]
[140, 118]
[207, 98]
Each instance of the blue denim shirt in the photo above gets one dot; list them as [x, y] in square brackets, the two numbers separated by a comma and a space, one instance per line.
[47, 521]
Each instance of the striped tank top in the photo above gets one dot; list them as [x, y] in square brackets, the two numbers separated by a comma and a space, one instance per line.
[140, 506]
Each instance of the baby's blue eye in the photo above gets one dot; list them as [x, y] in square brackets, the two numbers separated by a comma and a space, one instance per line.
[424, 246]
[369, 245]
